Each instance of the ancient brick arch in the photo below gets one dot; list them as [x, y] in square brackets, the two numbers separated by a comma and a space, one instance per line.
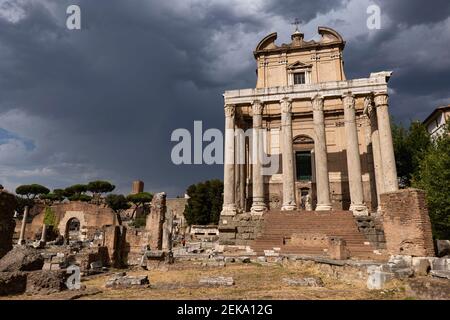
[68, 216]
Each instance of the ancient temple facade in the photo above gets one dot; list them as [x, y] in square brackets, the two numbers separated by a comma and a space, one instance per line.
[328, 139]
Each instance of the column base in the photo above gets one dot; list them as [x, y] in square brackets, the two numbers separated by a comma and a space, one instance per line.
[324, 207]
[258, 209]
[229, 210]
[289, 207]
[359, 210]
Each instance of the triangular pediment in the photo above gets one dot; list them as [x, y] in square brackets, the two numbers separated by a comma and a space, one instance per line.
[298, 65]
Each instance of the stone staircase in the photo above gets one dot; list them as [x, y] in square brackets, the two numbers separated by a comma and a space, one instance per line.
[304, 232]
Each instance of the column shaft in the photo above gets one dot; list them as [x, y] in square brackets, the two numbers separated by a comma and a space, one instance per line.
[386, 144]
[321, 159]
[23, 226]
[289, 203]
[258, 205]
[229, 206]
[353, 159]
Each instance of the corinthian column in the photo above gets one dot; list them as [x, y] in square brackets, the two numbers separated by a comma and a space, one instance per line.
[375, 138]
[289, 203]
[258, 204]
[386, 145]
[353, 161]
[229, 206]
[321, 159]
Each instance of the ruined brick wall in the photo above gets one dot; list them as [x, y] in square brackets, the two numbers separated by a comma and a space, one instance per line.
[7, 224]
[92, 217]
[136, 240]
[406, 223]
[155, 221]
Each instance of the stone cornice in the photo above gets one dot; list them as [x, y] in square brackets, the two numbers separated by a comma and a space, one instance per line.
[359, 87]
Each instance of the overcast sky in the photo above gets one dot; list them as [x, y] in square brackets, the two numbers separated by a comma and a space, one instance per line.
[102, 102]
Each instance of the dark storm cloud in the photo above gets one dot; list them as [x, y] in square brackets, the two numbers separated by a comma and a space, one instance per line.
[412, 12]
[102, 102]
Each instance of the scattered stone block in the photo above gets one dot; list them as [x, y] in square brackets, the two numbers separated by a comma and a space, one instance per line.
[440, 274]
[378, 279]
[229, 260]
[421, 266]
[217, 281]
[261, 259]
[403, 273]
[337, 248]
[439, 264]
[122, 281]
[304, 282]
[442, 248]
[243, 259]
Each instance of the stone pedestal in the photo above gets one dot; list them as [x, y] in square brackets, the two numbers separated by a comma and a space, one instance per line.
[353, 160]
[289, 203]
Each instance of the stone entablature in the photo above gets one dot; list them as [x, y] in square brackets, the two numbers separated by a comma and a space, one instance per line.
[376, 83]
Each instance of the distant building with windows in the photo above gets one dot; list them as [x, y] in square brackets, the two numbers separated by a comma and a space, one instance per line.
[436, 121]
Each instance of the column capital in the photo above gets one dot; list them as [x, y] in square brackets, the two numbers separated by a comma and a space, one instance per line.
[257, 107]
[286, 105]
[381, 99]
[349, 100]
[317, 102]
[230, 110]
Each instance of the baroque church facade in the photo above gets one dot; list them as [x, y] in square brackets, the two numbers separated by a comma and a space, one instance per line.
[332, 136]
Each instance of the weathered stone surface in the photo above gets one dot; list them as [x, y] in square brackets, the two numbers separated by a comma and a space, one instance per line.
[121, 280]
[243, 259]
[443, 248]
[217, 281]
[440, 274]
[7, 224]
[304, 282]
[440, 264]
[46, 282]
[12, 283]
[229, 260]
[337, 248]
[428, 288]
[421, 266]
[377, 278]
[155, 220]
[21, 259]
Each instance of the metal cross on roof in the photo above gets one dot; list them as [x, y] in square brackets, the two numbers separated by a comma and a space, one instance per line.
[296, 23]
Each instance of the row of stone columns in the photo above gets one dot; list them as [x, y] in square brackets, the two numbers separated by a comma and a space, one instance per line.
[385, 170]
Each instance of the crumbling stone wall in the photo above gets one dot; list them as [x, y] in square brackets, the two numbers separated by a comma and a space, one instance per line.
[91, 216]
[406, 223]
[239, 230]
[7, 224]
[372, 228]
[155, 221]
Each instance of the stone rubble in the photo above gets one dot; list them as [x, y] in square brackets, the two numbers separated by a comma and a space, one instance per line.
[217, 281]
[304, 282]
[122, 281]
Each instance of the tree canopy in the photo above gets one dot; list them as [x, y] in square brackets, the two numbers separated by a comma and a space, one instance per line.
[117, 202]
[204, 203]
[99, 187]
[433, 176]
[31, 191]
[410, 146]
